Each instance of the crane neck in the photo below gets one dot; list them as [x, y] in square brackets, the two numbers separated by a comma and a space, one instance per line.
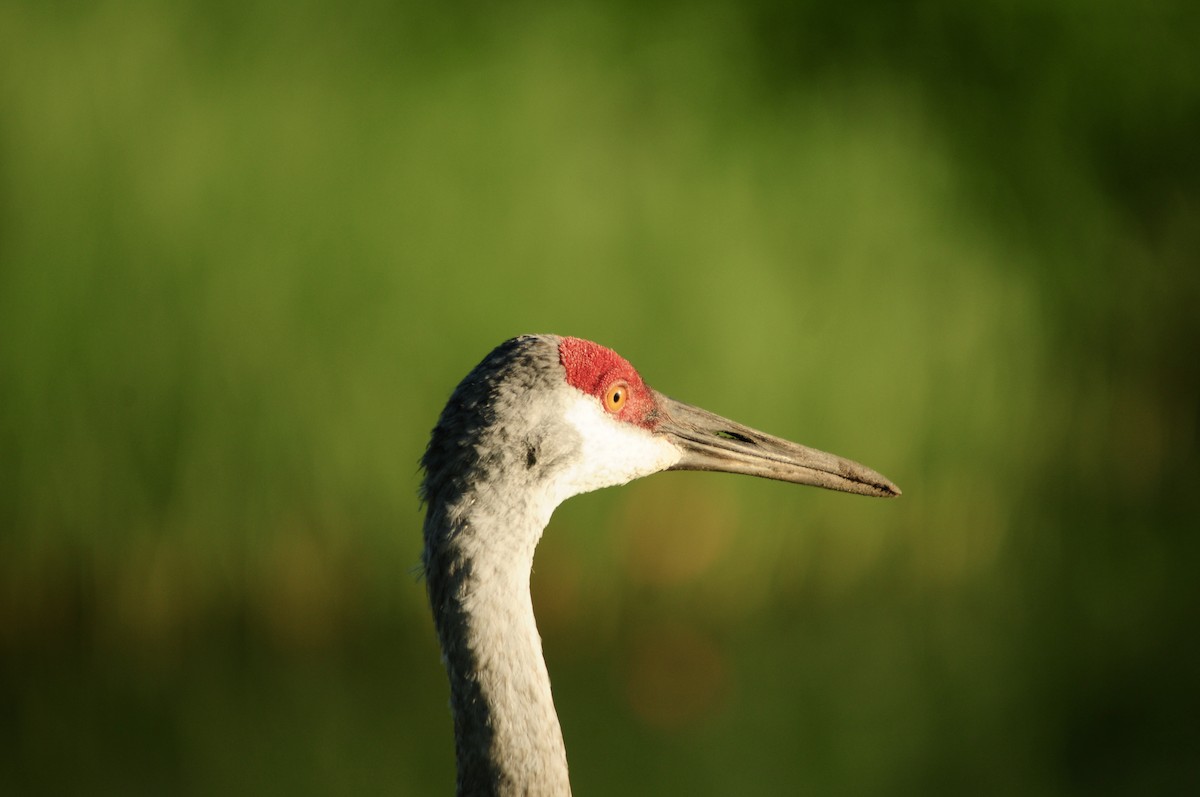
[478, 560]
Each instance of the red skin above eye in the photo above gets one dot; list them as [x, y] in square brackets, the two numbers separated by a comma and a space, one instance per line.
[592, 368]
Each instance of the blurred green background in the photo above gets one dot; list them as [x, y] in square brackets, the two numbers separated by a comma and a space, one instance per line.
[248, 249]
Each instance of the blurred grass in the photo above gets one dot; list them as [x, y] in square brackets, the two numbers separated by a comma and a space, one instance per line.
[247, 250]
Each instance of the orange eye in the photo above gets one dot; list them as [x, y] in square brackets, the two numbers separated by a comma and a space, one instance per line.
[616, 396]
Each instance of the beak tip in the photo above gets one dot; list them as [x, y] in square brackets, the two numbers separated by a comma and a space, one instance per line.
[888, 489]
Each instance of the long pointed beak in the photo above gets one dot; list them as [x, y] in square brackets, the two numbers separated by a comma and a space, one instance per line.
[710, 442]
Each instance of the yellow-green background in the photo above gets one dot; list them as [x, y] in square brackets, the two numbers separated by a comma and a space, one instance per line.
[247, 250]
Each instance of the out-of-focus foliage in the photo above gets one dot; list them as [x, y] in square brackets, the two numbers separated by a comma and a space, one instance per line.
[247, 249]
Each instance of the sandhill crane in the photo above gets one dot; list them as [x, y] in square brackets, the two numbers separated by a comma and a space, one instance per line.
[541, 419]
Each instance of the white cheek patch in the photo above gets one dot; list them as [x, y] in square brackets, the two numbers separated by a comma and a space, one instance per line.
[611, 452]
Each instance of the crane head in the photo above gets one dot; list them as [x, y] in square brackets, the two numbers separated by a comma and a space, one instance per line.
[558, 416]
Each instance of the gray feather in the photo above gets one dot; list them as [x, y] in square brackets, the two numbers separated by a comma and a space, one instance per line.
[493, 443]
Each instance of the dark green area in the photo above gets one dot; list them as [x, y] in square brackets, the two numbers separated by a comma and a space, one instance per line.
[247, 250]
